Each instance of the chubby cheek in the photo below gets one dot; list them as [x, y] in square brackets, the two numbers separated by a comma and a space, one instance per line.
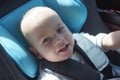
[70, 38]
[49, 53]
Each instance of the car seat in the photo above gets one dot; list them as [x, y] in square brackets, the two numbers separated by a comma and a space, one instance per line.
[78, 15]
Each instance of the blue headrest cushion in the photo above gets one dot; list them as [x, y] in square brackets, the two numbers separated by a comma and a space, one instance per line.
[18, 53]
[72, 12]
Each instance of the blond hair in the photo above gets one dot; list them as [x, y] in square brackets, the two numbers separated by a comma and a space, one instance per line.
[31, 19]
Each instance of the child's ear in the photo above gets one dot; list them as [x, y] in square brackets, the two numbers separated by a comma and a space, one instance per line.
[33, 50]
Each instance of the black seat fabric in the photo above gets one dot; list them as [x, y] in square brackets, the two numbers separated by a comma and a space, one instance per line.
[94, 23]
[8, 70]
[108, 4]
[7, 6]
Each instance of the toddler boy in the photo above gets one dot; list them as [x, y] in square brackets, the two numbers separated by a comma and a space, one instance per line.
[49, 38]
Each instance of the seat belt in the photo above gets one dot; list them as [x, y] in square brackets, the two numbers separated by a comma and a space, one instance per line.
[72, 69]
[106, 71]
[82, 53]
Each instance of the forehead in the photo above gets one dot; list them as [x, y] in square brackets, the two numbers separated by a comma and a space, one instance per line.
[47, 25]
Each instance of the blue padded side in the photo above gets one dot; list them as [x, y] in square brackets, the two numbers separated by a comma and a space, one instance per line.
[12, 21]
[18, 53]
[72, 12]
[12, 43]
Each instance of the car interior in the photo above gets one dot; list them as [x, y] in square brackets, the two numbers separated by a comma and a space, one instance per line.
[16, 61]
[110, 13]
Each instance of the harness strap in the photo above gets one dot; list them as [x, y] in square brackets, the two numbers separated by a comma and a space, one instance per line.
[92, 52]
[81, 52]
[73, 69]
[107, 72]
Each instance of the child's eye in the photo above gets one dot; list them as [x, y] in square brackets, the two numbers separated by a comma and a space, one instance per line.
[46, 40]
[60, 30]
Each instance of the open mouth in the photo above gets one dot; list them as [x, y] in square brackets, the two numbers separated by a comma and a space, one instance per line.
[65, 48]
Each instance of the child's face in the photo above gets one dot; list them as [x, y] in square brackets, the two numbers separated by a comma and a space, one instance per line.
[53, 40]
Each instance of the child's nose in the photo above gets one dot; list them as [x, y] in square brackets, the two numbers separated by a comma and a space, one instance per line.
[60, 40]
